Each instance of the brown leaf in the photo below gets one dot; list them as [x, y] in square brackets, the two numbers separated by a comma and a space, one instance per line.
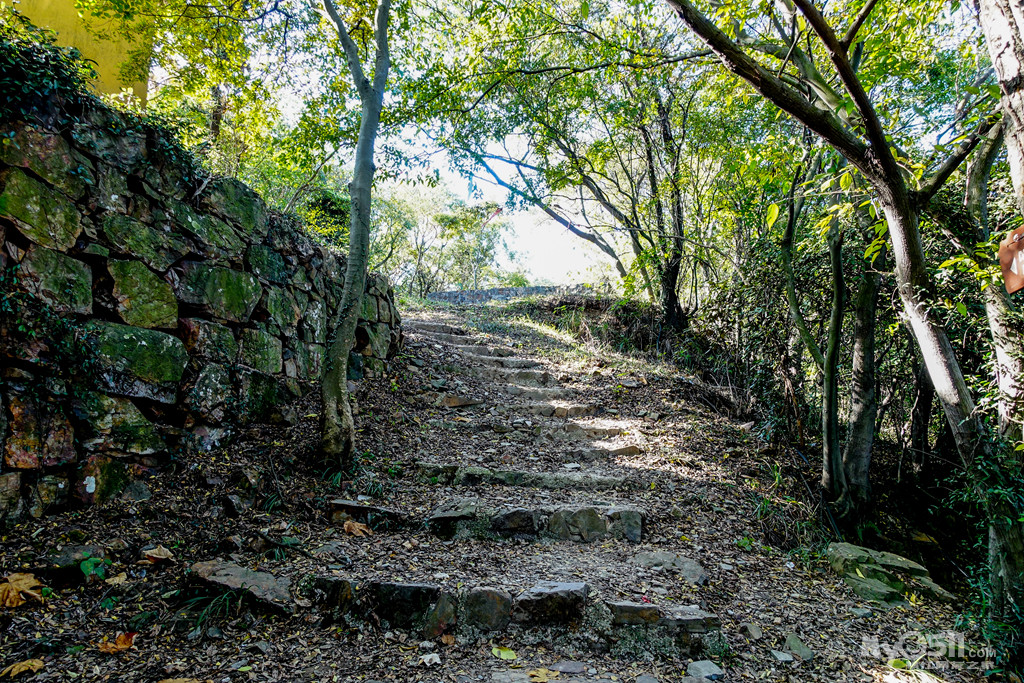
[156, 555]
[117, 580]
[13, 670]
[448, 639]
[124, 641]
[18, 589]
[543, 675]
[357, 529]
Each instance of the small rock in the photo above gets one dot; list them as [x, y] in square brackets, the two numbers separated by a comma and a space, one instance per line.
[427, 646]
[688, 569]
[752, 631]
[263, 587]
[861, 612]
[487, 609]
[568, 667]
[704, 669]
[553, 602]
[797, 647]
[782, 656]
[136, 491]
[645, 679]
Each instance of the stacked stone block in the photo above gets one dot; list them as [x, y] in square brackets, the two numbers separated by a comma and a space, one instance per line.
[146, 308]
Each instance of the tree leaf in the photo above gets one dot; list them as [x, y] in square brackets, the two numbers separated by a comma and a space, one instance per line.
[773, 214]
[503, 653]
[18, 590]
[357, 529]
[32, 665]
[124, 641]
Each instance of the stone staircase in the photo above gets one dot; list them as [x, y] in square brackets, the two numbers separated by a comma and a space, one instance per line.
[521, 525]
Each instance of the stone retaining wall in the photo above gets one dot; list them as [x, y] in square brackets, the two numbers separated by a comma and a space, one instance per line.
[476, 296]
[145, 308]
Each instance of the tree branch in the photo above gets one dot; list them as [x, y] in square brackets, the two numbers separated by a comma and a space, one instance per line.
[862, 16]
[941, 174]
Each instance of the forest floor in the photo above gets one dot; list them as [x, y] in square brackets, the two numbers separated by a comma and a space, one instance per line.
[590, 426]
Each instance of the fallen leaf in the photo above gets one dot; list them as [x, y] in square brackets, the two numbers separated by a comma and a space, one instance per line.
[116, 580]
[156, 555]
[180, 680]
[13, 670]
[357, 529]
[543, 675]
[432, 659]
[17, 589]
[124, 641]
[503, 652]
[448, 639]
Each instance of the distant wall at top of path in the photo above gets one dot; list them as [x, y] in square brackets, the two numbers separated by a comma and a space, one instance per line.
[477, 296]
[145, 308]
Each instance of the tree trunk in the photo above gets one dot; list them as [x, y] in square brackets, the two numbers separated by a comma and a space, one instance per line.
[833, 478]
[864, 404]
[337, 437]
[1003, 24]
[921, 417]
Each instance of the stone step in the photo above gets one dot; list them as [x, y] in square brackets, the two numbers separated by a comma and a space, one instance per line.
[505, 375]
[472, 518]
[598, 454]
[556, 409]
[576, 430]
[456, 475]
[553, 609]
[536, 393]
[503, 362]
[423, 326]
[482, 349]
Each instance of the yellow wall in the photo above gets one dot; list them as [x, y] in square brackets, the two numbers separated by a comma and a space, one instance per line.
[62, 17]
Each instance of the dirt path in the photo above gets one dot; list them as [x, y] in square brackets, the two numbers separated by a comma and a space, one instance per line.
[540, 511]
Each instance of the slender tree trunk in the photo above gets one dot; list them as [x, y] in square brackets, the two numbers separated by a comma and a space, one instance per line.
[337, 438]
[864, 403]
[1003, 24]
[921, 416]
[833, 478]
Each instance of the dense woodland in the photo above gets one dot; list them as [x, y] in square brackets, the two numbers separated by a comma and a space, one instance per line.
[801, 203]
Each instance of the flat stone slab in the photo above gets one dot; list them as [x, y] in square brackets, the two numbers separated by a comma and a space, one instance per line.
[450, 474]
[705, 669]
[690, 570]
[579, 523]
[552, 602]
[633, 612]
[343, 509]
[263, 587]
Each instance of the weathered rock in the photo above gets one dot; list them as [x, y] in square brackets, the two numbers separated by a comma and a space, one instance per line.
[50, 491]
[211, 393]
[751, 630]
[704, 669]
[10, 494]
[41, 435]
[266, 264]
[263, 587]
[137, 492]
[782, 657]
[487, 609]
[70, 556]
[283, 310]
[625, 522]
[259, 394]
[59, 280]
[261, 351]
[216, 239]
[143, 299]
[235, 202]
[516, 522]
[553, 602]
[208, 340]
[47, 218]
[100, 479]
[313, 326]
[371, 515]
[444, 522]
[797, 647]
[689, 569]
[403, 604]
[137, 362]
[584, 524]
[933, 590]
[114, 424]
[225, 294]
[633, 612]
[158, 249]
[50, 157]
[441, 617]
[872, 589]
[689, 620]
[335, 593]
